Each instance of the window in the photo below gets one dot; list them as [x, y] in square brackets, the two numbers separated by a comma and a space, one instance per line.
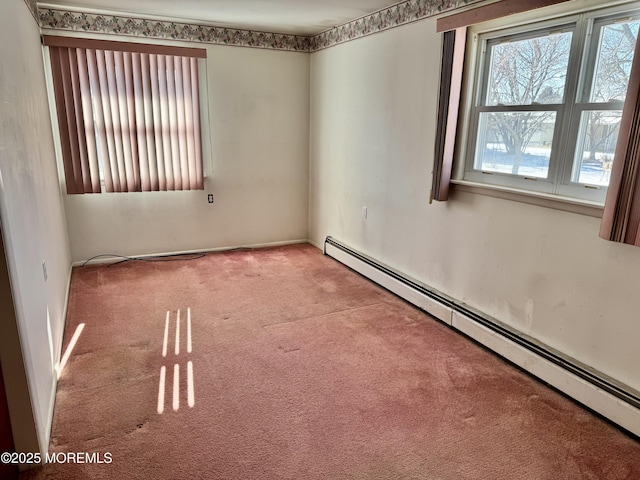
[547, 103]
[128, 115]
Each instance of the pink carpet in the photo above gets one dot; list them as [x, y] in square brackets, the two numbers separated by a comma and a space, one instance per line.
[302, 369]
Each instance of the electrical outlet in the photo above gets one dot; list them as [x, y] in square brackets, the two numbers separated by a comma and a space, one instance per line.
[365, 213]
[210, 198]
[44, 270]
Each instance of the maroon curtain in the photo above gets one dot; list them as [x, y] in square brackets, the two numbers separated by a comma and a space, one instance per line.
[448, 102]
[621, 218]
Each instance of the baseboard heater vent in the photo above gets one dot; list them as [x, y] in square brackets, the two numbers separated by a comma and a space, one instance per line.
[604, 395]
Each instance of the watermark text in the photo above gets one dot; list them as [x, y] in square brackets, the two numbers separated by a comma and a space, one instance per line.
[18, 458]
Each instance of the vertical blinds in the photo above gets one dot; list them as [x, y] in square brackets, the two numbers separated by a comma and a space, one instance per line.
[127, 111]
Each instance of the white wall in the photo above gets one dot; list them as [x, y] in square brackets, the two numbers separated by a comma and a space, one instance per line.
[544, 272]
[33, 229]
[259, 112]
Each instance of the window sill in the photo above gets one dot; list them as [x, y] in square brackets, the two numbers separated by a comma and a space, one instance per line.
[548, 200]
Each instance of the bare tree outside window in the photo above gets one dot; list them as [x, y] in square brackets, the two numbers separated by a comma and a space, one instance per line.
[547, 103]
[529, 71]
[608, 89]
[615, 55]
[525, 73]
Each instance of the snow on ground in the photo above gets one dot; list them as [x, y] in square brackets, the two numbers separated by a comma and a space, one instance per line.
[535, 163]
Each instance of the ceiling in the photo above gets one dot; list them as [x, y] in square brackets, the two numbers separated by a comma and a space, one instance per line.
[301, 17]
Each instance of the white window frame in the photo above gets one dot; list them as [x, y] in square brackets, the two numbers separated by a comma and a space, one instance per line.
[557, 185]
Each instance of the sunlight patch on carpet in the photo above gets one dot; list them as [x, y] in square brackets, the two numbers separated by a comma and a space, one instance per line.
[67, 352]
[162, 384]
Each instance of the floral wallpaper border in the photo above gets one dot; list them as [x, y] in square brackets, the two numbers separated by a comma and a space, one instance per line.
[399, 14]
[394, 16]
[139, 27]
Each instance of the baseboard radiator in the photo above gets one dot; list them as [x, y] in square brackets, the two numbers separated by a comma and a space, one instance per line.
[614, 401]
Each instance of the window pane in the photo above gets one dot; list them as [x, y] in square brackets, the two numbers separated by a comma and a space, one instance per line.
[615, 54]
[596, 145]
[529, 71]
[518, 143]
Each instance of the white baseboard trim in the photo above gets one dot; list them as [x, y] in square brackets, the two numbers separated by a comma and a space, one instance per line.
[315, 244]
[588, 387]
[109, 258]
